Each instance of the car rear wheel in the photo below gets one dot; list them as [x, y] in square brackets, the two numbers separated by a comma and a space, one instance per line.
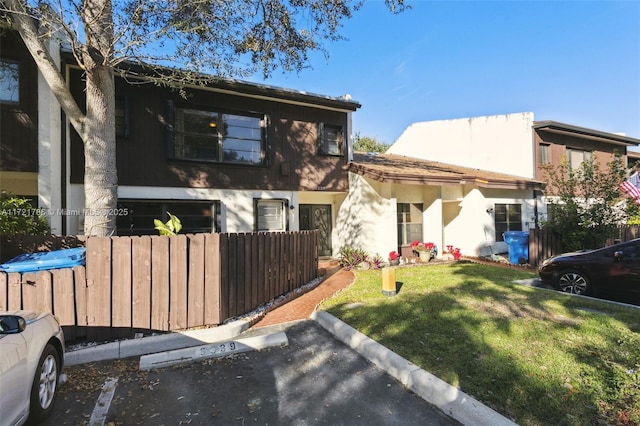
[574, 282]
[45, 384]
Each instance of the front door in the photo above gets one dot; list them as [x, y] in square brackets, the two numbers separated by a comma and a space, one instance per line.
[318, 216]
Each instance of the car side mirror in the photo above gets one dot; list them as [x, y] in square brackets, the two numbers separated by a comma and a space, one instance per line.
[618, 255]
[12, 324]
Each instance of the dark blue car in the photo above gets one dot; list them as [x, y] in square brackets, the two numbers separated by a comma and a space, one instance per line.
[612, 271]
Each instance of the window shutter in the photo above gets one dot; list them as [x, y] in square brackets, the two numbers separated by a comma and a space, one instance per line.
[265, 137]
[320, 143]
[169, 123]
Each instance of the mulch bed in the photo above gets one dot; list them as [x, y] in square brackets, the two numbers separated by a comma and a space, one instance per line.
[487, 261]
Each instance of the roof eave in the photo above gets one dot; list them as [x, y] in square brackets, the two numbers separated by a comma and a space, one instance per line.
[255, 90]
[413, 179]
[568, 129]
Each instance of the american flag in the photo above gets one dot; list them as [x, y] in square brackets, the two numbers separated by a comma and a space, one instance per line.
[631, 187]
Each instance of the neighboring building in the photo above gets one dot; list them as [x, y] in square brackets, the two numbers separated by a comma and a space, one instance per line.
[231, 157]
[500, 143]
[554, 141]
[633, 159]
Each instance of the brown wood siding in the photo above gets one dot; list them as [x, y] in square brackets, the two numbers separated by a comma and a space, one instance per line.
[291, 162]
[558, 145]
[19, 122]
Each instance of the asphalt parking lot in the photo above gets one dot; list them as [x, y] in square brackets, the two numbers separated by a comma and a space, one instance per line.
[313, 380]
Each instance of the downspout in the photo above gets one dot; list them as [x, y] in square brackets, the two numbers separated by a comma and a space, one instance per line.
[535, 209]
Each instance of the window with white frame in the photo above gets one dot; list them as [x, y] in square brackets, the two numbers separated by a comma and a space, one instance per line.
[409, 223]
[9, 81]
[508, 217]
[330, 139]
[270, 214]
[221, 137]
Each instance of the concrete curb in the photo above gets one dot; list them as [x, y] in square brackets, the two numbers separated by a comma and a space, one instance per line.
[215, 350]
[451, 400]
[154, 344]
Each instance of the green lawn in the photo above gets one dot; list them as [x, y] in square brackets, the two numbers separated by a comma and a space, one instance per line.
[537, 357]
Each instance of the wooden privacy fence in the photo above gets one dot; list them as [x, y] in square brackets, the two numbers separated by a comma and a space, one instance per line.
[543, 244]
[160, 283]
[14, 245]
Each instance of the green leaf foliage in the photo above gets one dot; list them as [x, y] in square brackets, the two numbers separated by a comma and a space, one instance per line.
[585, 202]
[19, 217]
[170, 227]
[367, 144]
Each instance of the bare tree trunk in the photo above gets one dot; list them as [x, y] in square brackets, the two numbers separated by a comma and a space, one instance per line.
[100, 174]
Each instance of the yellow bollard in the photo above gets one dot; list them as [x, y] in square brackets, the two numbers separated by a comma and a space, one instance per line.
[389, 282]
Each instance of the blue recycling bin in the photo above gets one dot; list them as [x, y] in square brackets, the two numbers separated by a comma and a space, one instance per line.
[518, 242]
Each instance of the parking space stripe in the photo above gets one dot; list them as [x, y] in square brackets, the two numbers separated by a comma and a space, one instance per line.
[101, 409]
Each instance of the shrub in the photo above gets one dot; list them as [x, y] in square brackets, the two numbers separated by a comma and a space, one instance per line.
[350, 257]
[585, 202]
[377, 262]
[18, 217]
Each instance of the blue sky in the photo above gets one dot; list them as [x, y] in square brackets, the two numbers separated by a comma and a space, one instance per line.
[577, 62]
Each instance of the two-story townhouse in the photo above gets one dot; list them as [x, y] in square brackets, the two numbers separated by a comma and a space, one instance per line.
[229, 157]
[464, 182]
[554, 142]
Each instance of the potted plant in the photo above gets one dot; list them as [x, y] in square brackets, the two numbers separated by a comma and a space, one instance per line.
[394, 258]
[426, 251]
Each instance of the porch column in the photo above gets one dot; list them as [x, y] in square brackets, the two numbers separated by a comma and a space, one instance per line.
[433, 227]
[49, 150]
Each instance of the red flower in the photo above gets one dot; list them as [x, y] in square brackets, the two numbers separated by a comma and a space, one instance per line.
[393, 255]
[454, 251]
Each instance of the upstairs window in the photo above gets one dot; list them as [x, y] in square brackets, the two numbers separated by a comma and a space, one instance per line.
[220, 137]
[576, 157]
[508, 217]
[9, 81]
[545, 153]
[330, 140]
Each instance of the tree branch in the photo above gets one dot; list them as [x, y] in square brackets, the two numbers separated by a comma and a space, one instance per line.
[26, 27]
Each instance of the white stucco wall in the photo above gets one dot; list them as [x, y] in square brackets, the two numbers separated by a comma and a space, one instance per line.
[365, 219]
[469, 226]
[237, 213]
[499, 143]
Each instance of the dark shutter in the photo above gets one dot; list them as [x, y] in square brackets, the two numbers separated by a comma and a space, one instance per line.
[169, 124]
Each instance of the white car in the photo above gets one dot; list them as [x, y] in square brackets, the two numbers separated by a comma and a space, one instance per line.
[31, 359]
